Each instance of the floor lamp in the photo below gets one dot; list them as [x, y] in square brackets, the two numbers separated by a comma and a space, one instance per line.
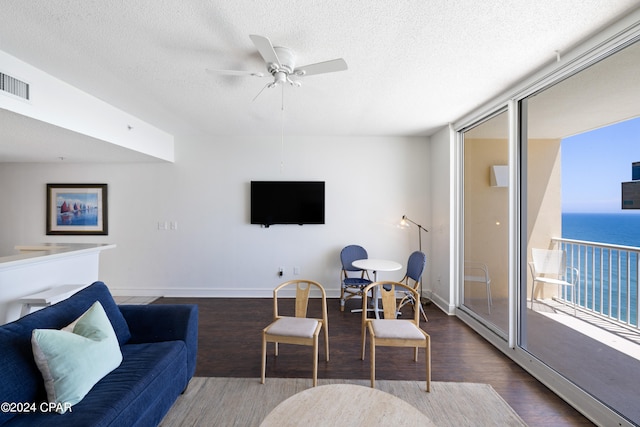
[404, 223]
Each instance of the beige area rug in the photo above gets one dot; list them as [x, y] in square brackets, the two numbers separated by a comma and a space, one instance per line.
[245, 402]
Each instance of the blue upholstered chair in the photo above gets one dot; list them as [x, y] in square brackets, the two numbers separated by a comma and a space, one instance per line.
[413, 277]
[353, 280]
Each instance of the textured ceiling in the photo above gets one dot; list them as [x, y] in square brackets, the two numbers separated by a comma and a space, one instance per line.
[413, 65]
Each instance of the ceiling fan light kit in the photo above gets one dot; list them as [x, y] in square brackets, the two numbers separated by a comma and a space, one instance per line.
[281, 64]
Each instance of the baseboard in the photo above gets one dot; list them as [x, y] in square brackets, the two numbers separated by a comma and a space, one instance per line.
[202, 293]
[442, 304]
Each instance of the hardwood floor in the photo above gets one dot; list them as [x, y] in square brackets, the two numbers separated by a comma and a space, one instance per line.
[230, 346]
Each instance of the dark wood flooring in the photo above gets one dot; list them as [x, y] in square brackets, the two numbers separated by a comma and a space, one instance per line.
[230, 346]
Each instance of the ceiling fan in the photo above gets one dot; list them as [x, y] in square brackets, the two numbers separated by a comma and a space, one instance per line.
[281, 65]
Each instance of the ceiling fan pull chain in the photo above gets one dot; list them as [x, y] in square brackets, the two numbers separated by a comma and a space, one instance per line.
[282, 133]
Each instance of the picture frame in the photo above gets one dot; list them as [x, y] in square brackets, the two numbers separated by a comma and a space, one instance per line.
[77, 209]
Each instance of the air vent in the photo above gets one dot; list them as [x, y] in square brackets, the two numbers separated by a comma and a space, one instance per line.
[14, 86]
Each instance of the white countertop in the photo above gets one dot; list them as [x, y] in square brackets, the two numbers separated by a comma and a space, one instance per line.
[38, 252]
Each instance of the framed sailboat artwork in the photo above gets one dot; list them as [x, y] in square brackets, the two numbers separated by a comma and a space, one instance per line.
[77, 209]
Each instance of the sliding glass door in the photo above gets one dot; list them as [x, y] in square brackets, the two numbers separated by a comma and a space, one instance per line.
[579, 144]
[484, 292]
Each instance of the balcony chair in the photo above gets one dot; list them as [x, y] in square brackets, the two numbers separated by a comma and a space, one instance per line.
[550, 267]
[298, 329]
[393, 332]
[478, 272]
[415, 267]
[352, 280]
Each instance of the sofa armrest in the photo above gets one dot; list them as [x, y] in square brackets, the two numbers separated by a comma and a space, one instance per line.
[165, 322]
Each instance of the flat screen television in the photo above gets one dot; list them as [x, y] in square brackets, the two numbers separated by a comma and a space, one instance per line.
[287, 202]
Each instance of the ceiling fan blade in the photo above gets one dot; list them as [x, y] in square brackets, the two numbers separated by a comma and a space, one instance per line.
[265, 48]
[322, 67]
[235, 72]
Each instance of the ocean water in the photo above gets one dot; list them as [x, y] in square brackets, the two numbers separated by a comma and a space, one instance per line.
[613, 228]
[89, 218]
[597, 292]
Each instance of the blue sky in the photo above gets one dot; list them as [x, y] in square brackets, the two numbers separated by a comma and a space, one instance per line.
[595, 163]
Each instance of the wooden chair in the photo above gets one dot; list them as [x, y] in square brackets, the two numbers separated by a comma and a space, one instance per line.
[393, 332]
[298, 329]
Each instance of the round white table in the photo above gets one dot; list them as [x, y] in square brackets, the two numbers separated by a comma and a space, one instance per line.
[375, 265]
[345, 405]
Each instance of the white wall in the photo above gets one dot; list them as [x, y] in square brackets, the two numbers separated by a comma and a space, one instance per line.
[440, 281]
[370, 183]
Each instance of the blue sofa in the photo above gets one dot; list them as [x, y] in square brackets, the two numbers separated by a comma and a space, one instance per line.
[158, 345]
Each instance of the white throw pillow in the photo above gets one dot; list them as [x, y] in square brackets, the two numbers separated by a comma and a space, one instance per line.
[71, 363]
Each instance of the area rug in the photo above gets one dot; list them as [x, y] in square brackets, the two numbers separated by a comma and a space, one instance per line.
[245, 402]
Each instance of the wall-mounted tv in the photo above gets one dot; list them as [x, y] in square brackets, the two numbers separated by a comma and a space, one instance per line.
[287, 202]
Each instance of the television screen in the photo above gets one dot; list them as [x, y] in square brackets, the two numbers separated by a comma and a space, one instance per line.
[287, 202]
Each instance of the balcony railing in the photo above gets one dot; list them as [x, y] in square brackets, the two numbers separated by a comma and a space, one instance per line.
[609, 277]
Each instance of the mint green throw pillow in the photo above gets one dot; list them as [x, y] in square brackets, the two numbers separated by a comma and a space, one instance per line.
[71, 363]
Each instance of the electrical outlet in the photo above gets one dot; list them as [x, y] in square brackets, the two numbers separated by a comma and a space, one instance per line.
[281, 271]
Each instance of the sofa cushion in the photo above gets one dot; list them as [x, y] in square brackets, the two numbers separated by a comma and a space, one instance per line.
[137, 393]
[165, 322]
[21, 380]
[153, 390]
[72, 362]
[63, 313]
